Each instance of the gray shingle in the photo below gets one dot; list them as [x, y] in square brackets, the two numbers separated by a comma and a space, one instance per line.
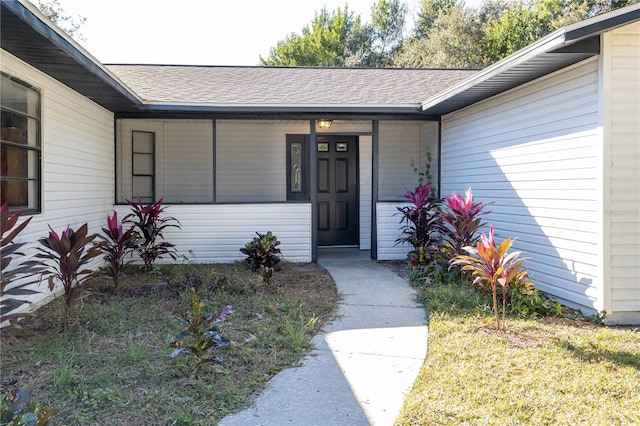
[222, 85]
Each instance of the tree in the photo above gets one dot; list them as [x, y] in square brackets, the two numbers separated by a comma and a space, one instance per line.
[454, 41]
[388, 21]
[429, 12]
[52, 10]
[523, 23]
[322, 44]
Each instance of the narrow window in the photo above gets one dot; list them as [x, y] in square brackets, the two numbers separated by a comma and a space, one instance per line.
[297, 168]
[143, 164]
[20, 145]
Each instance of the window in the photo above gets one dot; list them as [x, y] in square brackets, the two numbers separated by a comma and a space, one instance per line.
[143, 163]
[20, 145]
[297, 167]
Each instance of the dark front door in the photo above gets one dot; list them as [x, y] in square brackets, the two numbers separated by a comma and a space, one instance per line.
[337, 190]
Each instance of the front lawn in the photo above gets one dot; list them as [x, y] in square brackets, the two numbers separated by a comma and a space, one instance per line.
[559, 371]
[111, 365]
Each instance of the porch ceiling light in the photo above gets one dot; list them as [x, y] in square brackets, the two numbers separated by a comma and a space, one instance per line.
[324, 124]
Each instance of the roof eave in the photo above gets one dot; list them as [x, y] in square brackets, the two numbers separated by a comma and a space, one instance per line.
[105, 88]
[368, 112]
[571, 44]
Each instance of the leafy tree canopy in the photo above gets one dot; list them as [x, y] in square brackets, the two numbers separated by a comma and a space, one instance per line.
[323, 43]
[52, 10]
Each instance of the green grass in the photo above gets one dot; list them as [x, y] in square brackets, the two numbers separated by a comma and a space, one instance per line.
[111, 364]
[558, 371]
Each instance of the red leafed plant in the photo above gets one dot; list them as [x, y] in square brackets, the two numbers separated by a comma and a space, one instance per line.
[422, 225]
[149, 225]
[64, 256]
[492, 266]
[116, 244]
[8, 302]
[462, 219]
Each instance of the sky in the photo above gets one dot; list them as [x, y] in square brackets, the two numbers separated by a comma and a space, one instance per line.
[198, 32]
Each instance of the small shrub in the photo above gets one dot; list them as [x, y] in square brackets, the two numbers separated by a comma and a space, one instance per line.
[526, 301]
[148, 224]
[437, 271]
[421, 225]
[492, 267]
[63, 257]
[19, 408]
[263, 254]
[9, 249]
[200, 338]
[117, 243]
[462, 219]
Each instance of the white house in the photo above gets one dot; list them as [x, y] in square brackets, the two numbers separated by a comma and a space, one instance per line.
[550, 135]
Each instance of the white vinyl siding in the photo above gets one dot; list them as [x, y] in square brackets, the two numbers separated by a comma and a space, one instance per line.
[365, 146]
[77, 158]
[533, 152]
[388, 231]
[251, 160]
[622, 132]
[215, 233]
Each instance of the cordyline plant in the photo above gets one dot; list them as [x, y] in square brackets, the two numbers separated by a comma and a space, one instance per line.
[64, 257]
[8, 303]
[149, 225]
[462, 219]
[422, 225]
[117, 243]
[492, 267]
[200, 338]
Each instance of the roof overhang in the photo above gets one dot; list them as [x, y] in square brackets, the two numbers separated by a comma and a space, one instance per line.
[557, 50]
[306, 111]
[27, 34]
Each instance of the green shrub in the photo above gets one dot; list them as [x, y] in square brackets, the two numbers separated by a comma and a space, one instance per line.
[19, 408]
[263, 255]
[526, 301]
[200, 338]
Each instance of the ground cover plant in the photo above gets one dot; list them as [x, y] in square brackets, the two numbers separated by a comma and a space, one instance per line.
[560, 370]
[112, 363]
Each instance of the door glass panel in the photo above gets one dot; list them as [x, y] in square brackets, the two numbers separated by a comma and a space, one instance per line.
[296, 167]
[323, 147]
[342, 147]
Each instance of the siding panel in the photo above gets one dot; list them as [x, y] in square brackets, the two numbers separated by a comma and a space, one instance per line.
[534, 151]
[215, 233]
[388, 231]
[77, 158]
[623, 134]
[365, 147]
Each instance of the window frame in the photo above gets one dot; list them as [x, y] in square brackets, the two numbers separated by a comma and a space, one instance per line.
[36, 148]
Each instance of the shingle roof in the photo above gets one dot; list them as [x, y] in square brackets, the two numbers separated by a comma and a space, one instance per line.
[282, 86]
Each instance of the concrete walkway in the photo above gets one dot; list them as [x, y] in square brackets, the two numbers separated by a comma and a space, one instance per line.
[363, 364]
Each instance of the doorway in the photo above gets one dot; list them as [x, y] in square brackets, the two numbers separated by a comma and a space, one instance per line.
[338, 218]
